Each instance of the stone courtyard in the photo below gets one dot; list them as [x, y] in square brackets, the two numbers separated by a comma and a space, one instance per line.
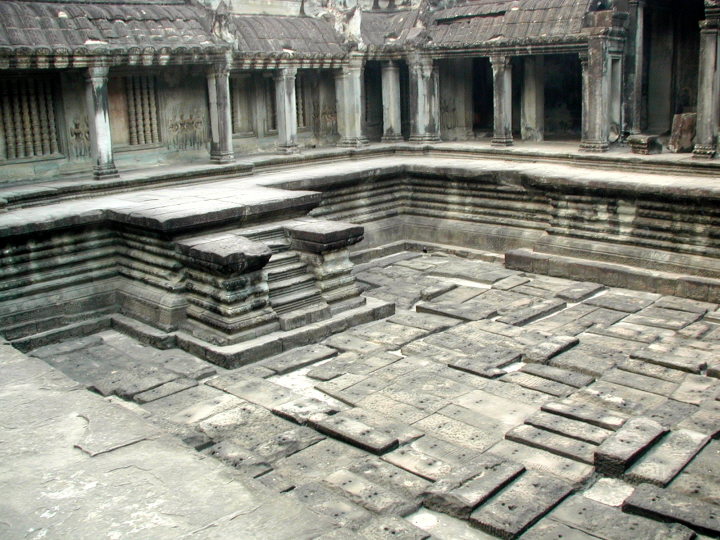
[492, 403]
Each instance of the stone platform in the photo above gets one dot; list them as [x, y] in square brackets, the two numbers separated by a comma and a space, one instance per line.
[493, 403]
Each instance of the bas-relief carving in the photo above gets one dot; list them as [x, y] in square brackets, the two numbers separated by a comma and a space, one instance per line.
[448, 110]
[186, 130]
[79, 138]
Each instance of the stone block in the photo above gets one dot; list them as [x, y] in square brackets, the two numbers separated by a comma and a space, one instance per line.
[368, 494]
[324, 501]
[565, 376]
[644, 144]
[391, 527]
[667, 458]
[526, 315]
[256, 390]
[682, 134]
[696, 389]
[318, 236]
[302, 409]
[553, 443]
[241, 458]
[356, 433]
[167, 389]
[228, 254]
[585, 413]
[620, 302]
[567, 427]
[655, 502]
[542, 352]
[623, 447]
[520, 505]
[640, 382]
[297, 358]
[419, 463]
[538, 384]
[471, 310]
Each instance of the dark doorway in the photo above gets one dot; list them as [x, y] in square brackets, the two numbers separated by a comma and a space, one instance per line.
[482, 93]
[563, 96]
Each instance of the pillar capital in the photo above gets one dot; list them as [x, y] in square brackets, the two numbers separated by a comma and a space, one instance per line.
[97, 73]
[285, 73]
[500, 61]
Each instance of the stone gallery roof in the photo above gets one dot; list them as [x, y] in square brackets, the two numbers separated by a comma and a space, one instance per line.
[388, 29]
[493, 21]
[103, 26]
[276, 34]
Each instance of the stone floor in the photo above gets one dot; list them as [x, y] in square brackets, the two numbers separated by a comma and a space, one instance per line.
[492, 404]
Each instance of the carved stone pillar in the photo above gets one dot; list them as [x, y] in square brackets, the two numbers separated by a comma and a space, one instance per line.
[350, 100]
[424, 100]
[532, 106]
[708, 87]
[285, 103]
[221, 149]
[502, 101]
[96, 102]
[596, 96]
[634, 72]
[392, 127]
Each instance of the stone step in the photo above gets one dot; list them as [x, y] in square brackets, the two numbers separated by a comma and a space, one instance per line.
[285, 272]
[291, 285]
[666, 459]
[304, 316]
[553, 443]
[278, 260]
[624, 446]
[520, 505]
[297, 301]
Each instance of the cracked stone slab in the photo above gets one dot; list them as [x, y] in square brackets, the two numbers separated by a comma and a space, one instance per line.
[666, 459]
[565, 376]
[167, 389]
[461, 492]
[706, 420]
[501, 409]
[174, 403]
[423, 321]
[286, 443]
[419, 463]
[546, 386]
[245, 421]
[526, 315]
[356, 433]
[127, 383]
[457, 432]
[579, 291]
[671, 412]
[302, 409]
[487, 361]
[584, 358]
[203, 409]
[652, 501]
[367, 494]
[553, 443]
[567, 427]
[543, 351]
[624, 446]
[388, 334]
[520, 505]
[398, 480]
[617, 398]
[609, 491]
[297, 358]
[604, 521]
[632, 332]
[472, 310]
[401, 431]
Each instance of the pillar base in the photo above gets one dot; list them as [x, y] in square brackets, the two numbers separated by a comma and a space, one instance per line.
[392, 138]
[704, 151]
[221, 158]
[288, 149]
[105, 172]
[502, 141]
[423, 138]
[354, 142]
[594, 146]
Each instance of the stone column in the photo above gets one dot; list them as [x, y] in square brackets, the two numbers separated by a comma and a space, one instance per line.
[285, 106]
[635, 61]
[392, 127]
[96, 102]
[424, 100]
[708, 89]
[502, 101]
[221, 148]
[532, 106]
[350, 103]
[596, 97]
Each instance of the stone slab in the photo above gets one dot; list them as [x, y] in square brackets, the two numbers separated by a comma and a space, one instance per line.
[368, 494]
[543, 351]
[391, 527]
[553, 443]
[347, 342]
[456, 432]
[356, 433]
[579, 291]
[494, 408]
[286, 443]
[164, 390]
[419, 463]
[389, 335]
[459, 494]
[667, 458]
[126, 383]
[250, 423]
[401, 431]
[567, 427]
[585, 413]
[526, 315]
[400, 481]
[663, 318]
[313, 463]
[624, 446]
[649, 369]
[548, 529]
[383, 404]
[297, 358]
[652, 501]
[680, 359]
[322, 500]
[239, 457]
[256, 390]
[423, 321]
[620, 302]
[671, 412]
[201, 410]
[471, 310]
[640, 382]
[302, 409]
[520, 505]
[604, 521]
[565, 376]
[696, 389]
[546, 386]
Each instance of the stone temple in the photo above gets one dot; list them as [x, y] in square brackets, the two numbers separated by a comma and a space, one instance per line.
[360, 269]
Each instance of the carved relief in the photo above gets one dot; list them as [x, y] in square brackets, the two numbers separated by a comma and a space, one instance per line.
[79, 138]
[186, 130]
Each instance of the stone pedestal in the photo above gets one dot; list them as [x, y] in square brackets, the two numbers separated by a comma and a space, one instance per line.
[424, 100]
[350, 101]
[323, 246]
[285, 102]
[227, 290]
[502, 101]
[596, 93]
[708, 108]
[96, 101]
[221, 149]
[532, 106]
[644, 144]
[392, 127]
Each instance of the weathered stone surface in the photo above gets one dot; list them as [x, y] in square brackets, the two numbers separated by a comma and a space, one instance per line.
[649, 369]
[640, 382]
[545, 386]
[487, 361]
[523, 316]
[520, 505]
[319, 236]
[383, 404]
[313, 463]
[297, 358]
[324, 501]
[683, 359]
[553, 443]
[401, 431]
[201, 410]
[546, 349]
[620, 302]
[391, 527]
[256, 390]
[609, 491]
[424, 321]
[549, 528]
[456, 432]
[565, 376]
[579, 291]
[696, 389]
[246, 422]
[394, 478]
[368, 494]
[241, 458]
[671, 412]
[585, 413]
[586, 359]
[667, 458]
[517, 392]
[605, 521]
[682, 133]
[419, 463]
[461, 492]
[347, 342]
[567, 427]
[471, 310]
[618, 398]
[167, 389]
[356, 433]
[649, 500]
[302, 409]
[388, 334]
[493, 408]
[624, 446]
[701, 477]
[706, 420]
[663, 318]
[126, 383]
